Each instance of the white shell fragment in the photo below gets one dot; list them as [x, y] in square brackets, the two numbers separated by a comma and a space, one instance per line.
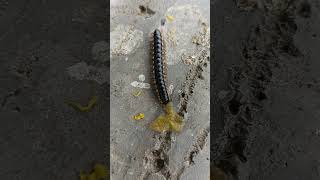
[140, 84]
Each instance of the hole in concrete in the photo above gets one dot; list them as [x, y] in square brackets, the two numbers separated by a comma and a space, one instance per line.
[142, 9]
[147, 10]
[159, 164]
[191, 156]
[156, 153]
[200, 76]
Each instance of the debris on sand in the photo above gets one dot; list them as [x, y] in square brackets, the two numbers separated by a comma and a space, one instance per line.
[138, 116]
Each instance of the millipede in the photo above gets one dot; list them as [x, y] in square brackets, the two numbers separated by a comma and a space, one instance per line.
[171, 121]
[159, 67]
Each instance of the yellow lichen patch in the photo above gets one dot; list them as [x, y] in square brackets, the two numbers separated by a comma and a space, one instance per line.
[99, 173]
[170, 18]
[79, 107]
[137, 93]
[138, 116]
[171, 121]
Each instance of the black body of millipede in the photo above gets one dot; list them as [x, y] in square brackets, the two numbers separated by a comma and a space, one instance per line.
[159, 66]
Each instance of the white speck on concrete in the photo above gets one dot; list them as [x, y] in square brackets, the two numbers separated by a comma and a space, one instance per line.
[142, 77]
[140, 84]
[126, 59]
[170, 89]
[81, 71]
[125, 39]
[100, 51]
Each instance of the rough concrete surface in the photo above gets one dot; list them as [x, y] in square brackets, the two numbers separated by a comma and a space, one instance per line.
[51, 52]
[265, 120]
[137, 152]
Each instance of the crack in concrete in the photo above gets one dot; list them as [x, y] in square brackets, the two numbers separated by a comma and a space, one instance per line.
[156, 160]
[194, 151]
[191, 78]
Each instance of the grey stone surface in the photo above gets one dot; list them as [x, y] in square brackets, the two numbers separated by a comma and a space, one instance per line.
[137, 152]
[41, 137]
[266, 94]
